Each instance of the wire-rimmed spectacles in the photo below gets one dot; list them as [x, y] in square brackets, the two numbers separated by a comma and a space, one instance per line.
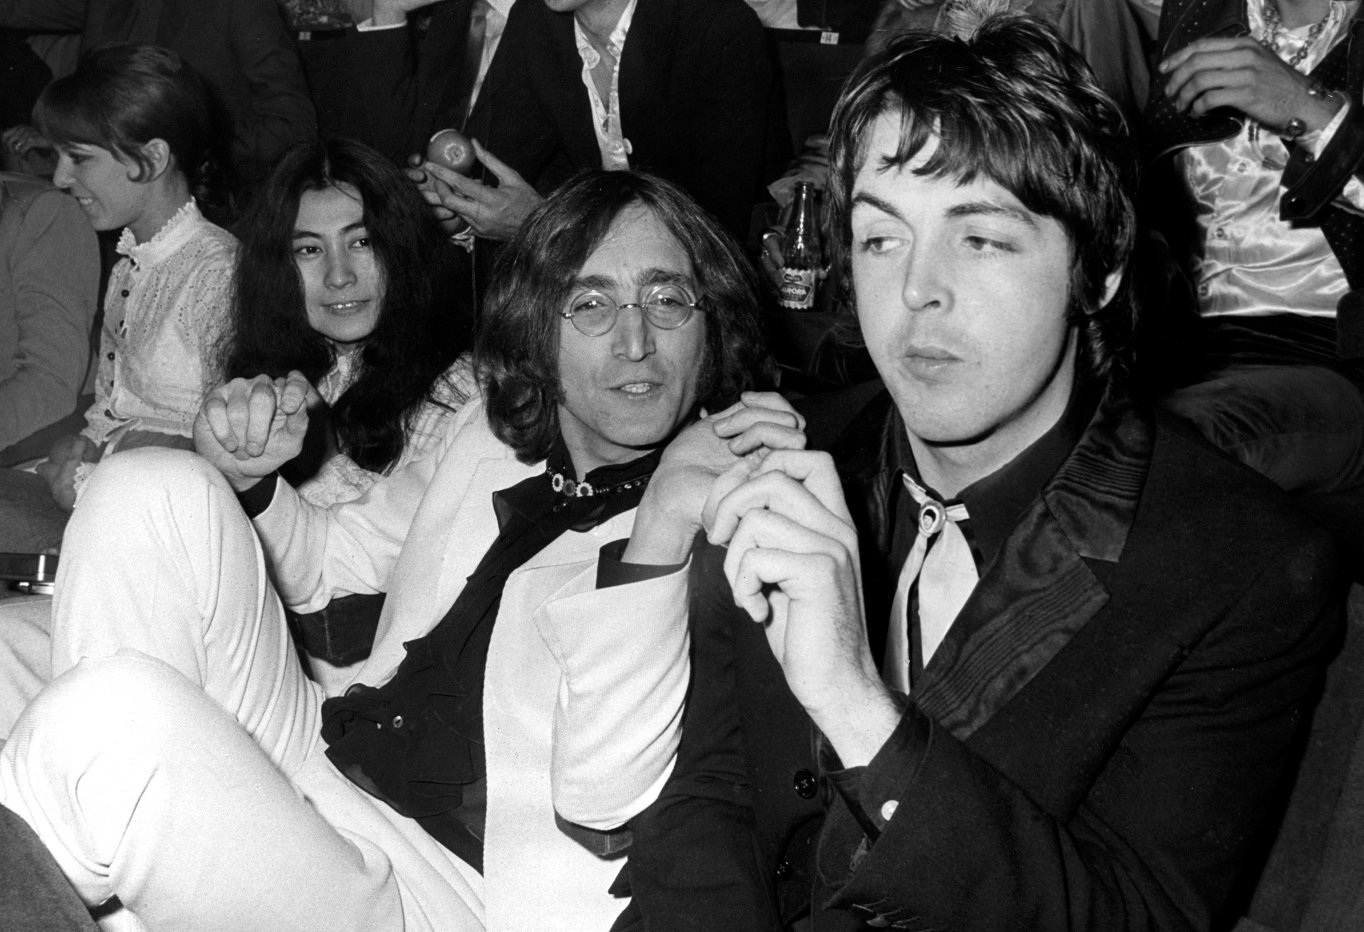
[667, 306]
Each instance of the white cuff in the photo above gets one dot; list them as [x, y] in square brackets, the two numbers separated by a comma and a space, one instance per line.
[368, 26]
[1319, 141]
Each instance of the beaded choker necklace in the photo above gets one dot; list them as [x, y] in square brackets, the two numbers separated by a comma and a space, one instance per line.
[572, 488]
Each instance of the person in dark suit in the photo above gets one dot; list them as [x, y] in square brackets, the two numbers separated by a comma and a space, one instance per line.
[423, 62]
[697, 104]
[1057, 650]
[240, 46]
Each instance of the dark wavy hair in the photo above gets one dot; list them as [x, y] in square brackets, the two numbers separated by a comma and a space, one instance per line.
[1014, 104]
[517, 351]
[415, 339]
[121, 97]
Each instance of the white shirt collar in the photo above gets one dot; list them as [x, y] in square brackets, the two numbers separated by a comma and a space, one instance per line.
[616, 41]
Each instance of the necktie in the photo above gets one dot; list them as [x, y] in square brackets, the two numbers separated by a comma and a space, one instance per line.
[473, 59]
[941, 561]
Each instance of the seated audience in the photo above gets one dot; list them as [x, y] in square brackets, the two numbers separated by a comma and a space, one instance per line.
[1259, 102]
[219, 789]
[339, 279]
[49, 287]
[241, 47]
[681, 88]
[1057, 650]
[139, 146]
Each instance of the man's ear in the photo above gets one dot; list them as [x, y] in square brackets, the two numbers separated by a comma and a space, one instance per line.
[158, 155]
[1111, 284]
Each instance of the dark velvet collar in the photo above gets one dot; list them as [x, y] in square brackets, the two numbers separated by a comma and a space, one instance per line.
[1040, 589]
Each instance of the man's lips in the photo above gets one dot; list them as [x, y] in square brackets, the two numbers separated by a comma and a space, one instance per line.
[637, 388]
[936, 353]
[929, 360]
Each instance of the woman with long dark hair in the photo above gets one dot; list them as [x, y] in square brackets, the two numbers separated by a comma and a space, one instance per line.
[339, 279]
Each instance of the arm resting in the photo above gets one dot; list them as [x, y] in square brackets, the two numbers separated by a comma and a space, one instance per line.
[623, 653]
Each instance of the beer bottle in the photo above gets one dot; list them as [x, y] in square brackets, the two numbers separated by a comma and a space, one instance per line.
[801, 257]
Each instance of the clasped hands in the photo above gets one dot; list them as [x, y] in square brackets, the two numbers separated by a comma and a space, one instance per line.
[248, 428]
[792, 562]
[1242, 74]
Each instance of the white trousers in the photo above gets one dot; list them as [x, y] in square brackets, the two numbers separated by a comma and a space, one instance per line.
[174, 760]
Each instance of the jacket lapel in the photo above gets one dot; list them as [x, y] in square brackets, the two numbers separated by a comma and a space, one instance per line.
[572, 110]
[1182, 22]
[1040, 591]
[645, 71]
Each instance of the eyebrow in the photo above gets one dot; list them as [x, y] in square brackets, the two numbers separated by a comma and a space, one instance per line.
[645, 278]
[992, 209]
[348, 228]
[979, 208]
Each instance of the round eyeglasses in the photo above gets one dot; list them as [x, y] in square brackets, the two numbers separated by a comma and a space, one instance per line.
[667, 306]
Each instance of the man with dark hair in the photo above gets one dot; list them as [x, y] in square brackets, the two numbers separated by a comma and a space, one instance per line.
[1057, 650]
[181, 762]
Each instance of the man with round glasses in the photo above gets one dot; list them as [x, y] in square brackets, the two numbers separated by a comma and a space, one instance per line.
[668, 306]
[220, 789]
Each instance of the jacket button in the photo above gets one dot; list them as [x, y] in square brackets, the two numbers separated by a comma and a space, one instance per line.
[783, 870]
[805, 784]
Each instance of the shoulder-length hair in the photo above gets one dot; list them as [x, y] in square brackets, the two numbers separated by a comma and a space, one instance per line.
[1014, 104]
[414, 340]
[121, 97]
[517, 350]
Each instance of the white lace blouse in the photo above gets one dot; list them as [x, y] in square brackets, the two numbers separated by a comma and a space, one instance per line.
[166, 305]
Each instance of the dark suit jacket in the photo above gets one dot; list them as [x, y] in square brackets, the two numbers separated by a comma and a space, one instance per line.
[36, 896]
[1103, 736]
[240, 46]
[698, 101]
[409, 85]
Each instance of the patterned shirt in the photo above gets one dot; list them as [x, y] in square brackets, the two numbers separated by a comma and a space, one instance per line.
[1253, 263]
[615, 148]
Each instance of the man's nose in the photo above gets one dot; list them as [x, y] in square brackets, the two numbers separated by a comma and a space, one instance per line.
[633, 335]
[924, 282]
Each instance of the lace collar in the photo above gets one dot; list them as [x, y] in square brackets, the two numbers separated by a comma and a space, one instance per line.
[167, 241]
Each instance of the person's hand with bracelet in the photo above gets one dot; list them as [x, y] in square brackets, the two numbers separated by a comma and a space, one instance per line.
[1242, 74]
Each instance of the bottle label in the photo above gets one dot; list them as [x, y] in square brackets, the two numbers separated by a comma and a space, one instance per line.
[797, 289]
